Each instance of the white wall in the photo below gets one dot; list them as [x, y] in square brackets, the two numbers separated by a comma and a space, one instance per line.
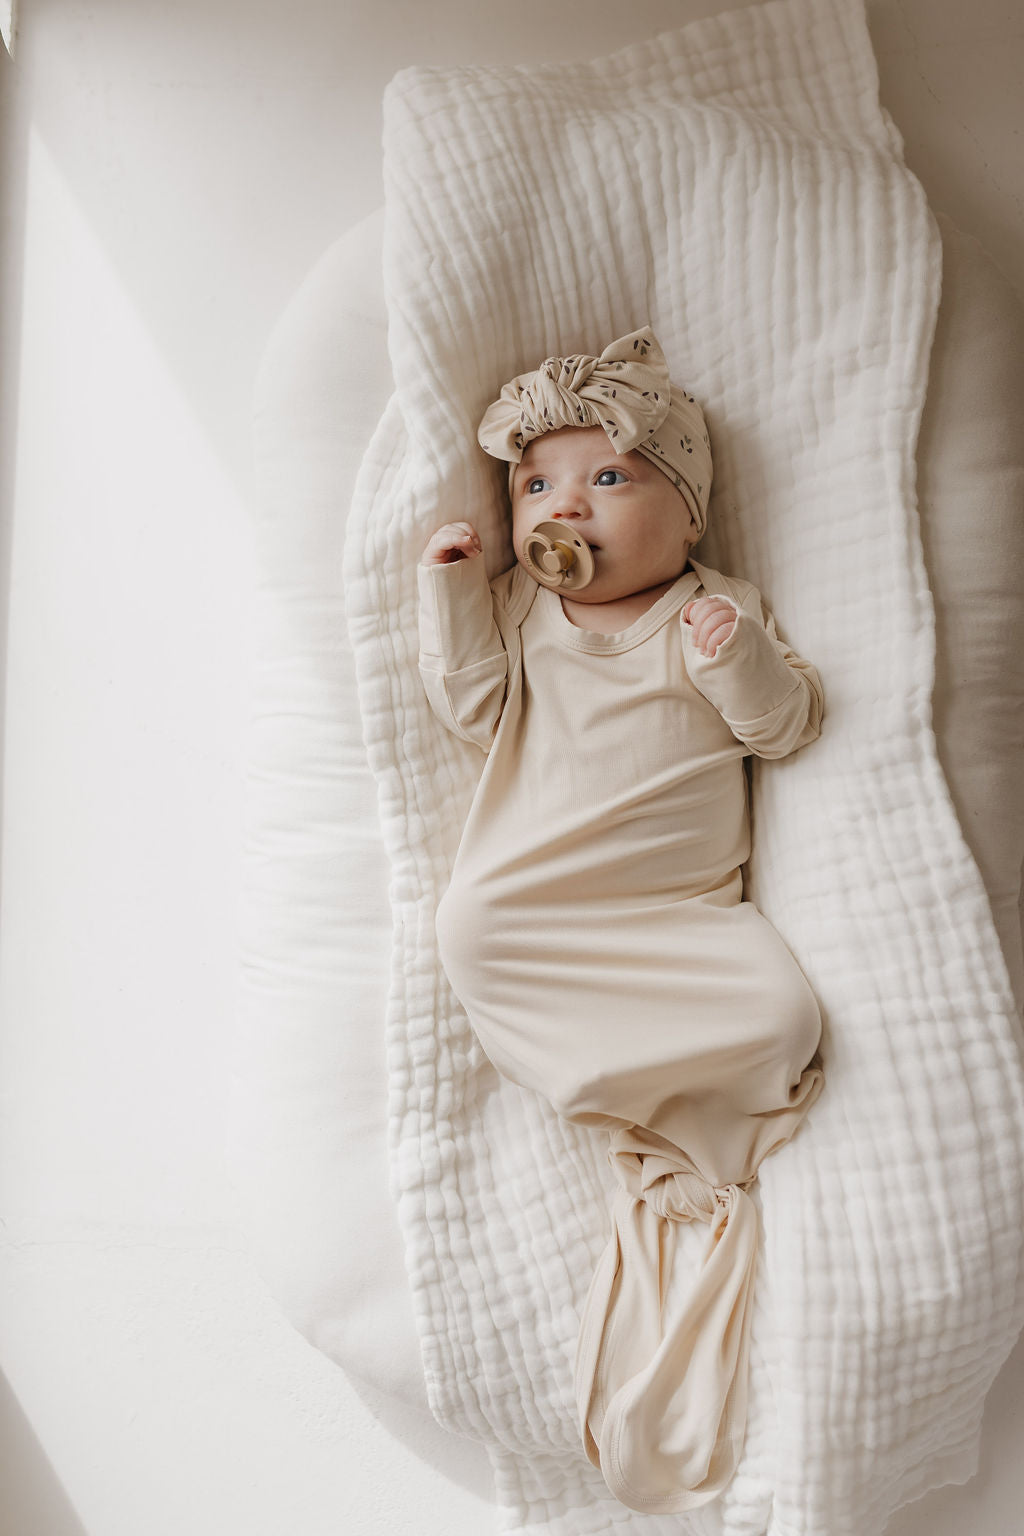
[171, 173]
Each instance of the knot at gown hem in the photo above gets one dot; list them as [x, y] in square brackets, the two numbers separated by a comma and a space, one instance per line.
[661, 1383]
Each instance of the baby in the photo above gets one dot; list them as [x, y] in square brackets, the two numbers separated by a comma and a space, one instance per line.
[595, 928]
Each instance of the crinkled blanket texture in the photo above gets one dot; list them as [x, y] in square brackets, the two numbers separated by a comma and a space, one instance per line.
[736, 185]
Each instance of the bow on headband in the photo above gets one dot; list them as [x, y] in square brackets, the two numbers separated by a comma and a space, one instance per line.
[627, 391]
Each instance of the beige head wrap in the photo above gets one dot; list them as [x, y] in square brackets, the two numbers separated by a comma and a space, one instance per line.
[627, 391]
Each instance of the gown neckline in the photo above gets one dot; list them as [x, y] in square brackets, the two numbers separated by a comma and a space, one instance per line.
[641, 629]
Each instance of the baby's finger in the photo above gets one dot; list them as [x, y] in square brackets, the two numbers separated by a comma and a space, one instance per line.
[717, 635]
[456, 533]
[455, 541]
[704, 619]
[712, 621]
[463, 538]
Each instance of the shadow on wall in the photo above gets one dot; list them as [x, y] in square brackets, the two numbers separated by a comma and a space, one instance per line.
[34, 1500]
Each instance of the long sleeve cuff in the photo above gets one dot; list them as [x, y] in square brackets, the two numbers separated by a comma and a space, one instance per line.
[463, 662]
[769, 697]
[746, 678]
[457, 624]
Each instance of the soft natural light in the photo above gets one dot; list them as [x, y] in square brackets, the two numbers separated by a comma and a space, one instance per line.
[108, 535]
[7, 9]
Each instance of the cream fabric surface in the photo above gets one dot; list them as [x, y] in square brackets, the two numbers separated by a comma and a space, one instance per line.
[596, 933]
[758, 137]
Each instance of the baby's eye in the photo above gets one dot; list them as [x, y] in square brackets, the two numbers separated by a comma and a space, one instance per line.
[611, 477]
[536, 485]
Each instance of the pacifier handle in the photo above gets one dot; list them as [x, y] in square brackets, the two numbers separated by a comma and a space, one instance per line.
[558, 558]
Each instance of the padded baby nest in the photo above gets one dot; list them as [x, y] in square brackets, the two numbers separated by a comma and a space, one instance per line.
[309, 1114]
[310, 1109]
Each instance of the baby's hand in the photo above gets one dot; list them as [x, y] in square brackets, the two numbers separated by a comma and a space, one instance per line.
[713, 621]
[455, 541]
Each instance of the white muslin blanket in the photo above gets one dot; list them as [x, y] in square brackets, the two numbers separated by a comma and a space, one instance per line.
[736, 185]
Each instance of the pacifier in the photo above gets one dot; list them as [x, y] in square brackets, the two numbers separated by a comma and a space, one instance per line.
[558, 558]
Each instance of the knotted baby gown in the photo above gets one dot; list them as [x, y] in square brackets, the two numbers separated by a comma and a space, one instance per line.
[596, 934]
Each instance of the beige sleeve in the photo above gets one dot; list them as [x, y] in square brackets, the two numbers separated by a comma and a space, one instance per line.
[463, 662]
[770, 698]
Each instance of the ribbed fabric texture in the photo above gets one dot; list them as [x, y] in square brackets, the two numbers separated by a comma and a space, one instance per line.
[736, 185]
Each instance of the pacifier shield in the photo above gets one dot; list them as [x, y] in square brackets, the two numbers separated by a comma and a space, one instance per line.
[557, 557]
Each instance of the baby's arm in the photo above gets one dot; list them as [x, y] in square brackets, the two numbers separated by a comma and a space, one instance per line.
[463, 662]
[770, 698]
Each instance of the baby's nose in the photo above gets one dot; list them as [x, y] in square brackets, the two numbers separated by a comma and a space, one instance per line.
[569, 504]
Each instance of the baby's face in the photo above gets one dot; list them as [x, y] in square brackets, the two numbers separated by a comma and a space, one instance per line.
[635, 521]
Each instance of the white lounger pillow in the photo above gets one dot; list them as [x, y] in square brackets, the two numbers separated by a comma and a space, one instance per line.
[309, 1119]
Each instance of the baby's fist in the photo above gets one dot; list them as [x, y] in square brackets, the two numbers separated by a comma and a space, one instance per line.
[712, 620]
[455, 541]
